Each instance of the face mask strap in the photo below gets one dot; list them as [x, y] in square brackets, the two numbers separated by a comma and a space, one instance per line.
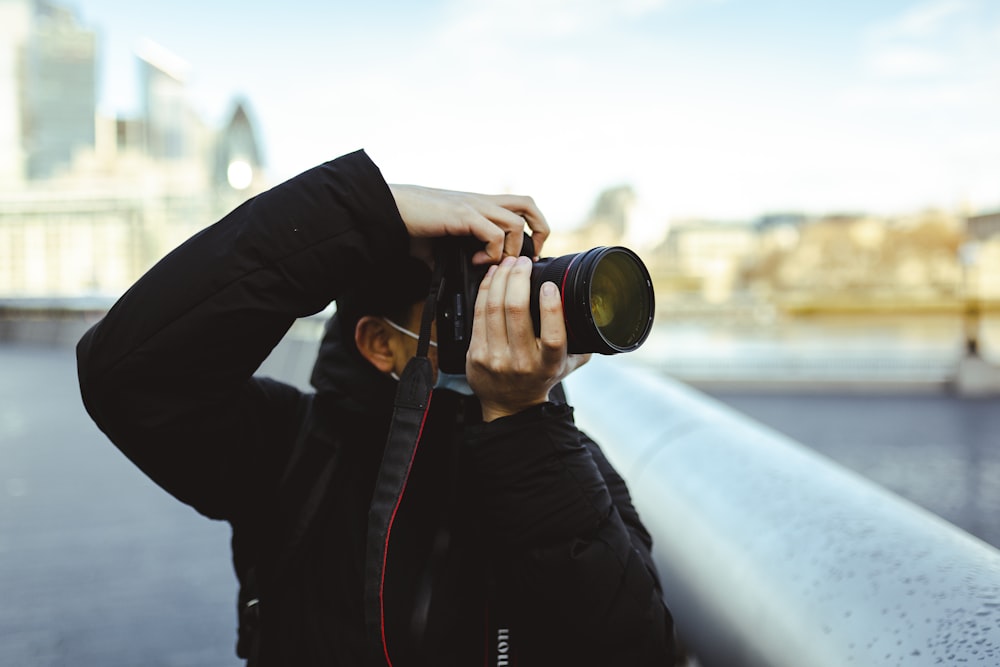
[405, 332]
[430, 309]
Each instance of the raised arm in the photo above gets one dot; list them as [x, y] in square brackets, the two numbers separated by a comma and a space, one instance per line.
[167, 374]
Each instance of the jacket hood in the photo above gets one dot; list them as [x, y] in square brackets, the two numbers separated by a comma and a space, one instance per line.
[341, 374]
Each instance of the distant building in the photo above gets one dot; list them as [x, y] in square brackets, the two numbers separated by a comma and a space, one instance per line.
[704, 257]
[59, 91]
[981, 256]
[15, 25]
[88, 203]
[771, 221]
[983, 227]
[237, 155]
[47, 90]
[165, 109]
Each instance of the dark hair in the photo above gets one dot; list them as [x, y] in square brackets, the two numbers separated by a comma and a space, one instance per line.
[391, 295]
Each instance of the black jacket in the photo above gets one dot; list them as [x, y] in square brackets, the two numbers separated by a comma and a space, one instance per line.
[515, 539]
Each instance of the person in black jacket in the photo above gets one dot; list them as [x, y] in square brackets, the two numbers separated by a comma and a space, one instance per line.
[516, 542]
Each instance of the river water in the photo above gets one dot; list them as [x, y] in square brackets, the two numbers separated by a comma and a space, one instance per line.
[845, 348]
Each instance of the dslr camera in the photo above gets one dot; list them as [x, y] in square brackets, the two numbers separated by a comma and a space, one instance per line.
[607, 298]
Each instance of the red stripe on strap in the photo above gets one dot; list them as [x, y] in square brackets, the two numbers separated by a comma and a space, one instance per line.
[388, 532]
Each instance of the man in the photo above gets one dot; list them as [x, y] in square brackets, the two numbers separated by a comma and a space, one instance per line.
[515, 541]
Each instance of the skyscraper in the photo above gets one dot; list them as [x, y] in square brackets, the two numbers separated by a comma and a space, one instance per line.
[60, 90]
[15, 23]
[238, 160]
[165, 110]
[47, 89]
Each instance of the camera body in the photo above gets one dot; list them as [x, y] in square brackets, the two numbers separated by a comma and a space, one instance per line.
[456, 300]
[607, 296]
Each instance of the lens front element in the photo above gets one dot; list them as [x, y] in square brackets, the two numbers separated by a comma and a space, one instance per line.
[620, 298]
[607, 298]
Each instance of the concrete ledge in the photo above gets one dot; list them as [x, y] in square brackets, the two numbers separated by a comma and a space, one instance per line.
[63, 331]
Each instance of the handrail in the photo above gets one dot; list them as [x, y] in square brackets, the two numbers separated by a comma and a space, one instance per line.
[773, 556]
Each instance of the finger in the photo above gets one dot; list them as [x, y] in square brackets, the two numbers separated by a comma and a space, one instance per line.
[539, 231]
[517, 304]
[494, 238]
[495, 314]
[552, 328]
[510, 224]
[509, 230]
[526, 208]
[539, 243]
[513, 241]
[479, 313]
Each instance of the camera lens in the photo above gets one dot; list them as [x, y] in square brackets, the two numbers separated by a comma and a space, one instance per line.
[607, 298]
[620, 300]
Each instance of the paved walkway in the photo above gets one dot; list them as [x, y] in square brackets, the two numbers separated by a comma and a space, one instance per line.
[98, 566]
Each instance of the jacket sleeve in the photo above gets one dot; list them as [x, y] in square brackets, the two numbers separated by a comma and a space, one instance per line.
[167, 374]
[580, 570]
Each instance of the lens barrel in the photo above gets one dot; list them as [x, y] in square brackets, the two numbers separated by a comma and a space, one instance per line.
[607, 298]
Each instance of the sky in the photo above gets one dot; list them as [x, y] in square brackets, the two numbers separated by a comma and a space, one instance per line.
[722, 109]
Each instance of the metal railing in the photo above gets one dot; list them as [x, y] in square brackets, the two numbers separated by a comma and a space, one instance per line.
[770, 554]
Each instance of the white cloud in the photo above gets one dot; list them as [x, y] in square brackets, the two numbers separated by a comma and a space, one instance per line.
[546, 19]
[907, 61]
[938, 55]
[926, 19]
[924, 41]
[913, 98]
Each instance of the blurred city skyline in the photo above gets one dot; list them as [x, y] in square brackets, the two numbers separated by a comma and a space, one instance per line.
[708, 108]
[96, 188]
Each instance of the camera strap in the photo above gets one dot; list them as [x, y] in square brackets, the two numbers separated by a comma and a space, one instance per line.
[413, 398]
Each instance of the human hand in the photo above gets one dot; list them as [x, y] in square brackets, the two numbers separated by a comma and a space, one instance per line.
[496, 220]
[508, 368]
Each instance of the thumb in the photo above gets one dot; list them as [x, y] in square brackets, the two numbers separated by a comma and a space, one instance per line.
[552, 329]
